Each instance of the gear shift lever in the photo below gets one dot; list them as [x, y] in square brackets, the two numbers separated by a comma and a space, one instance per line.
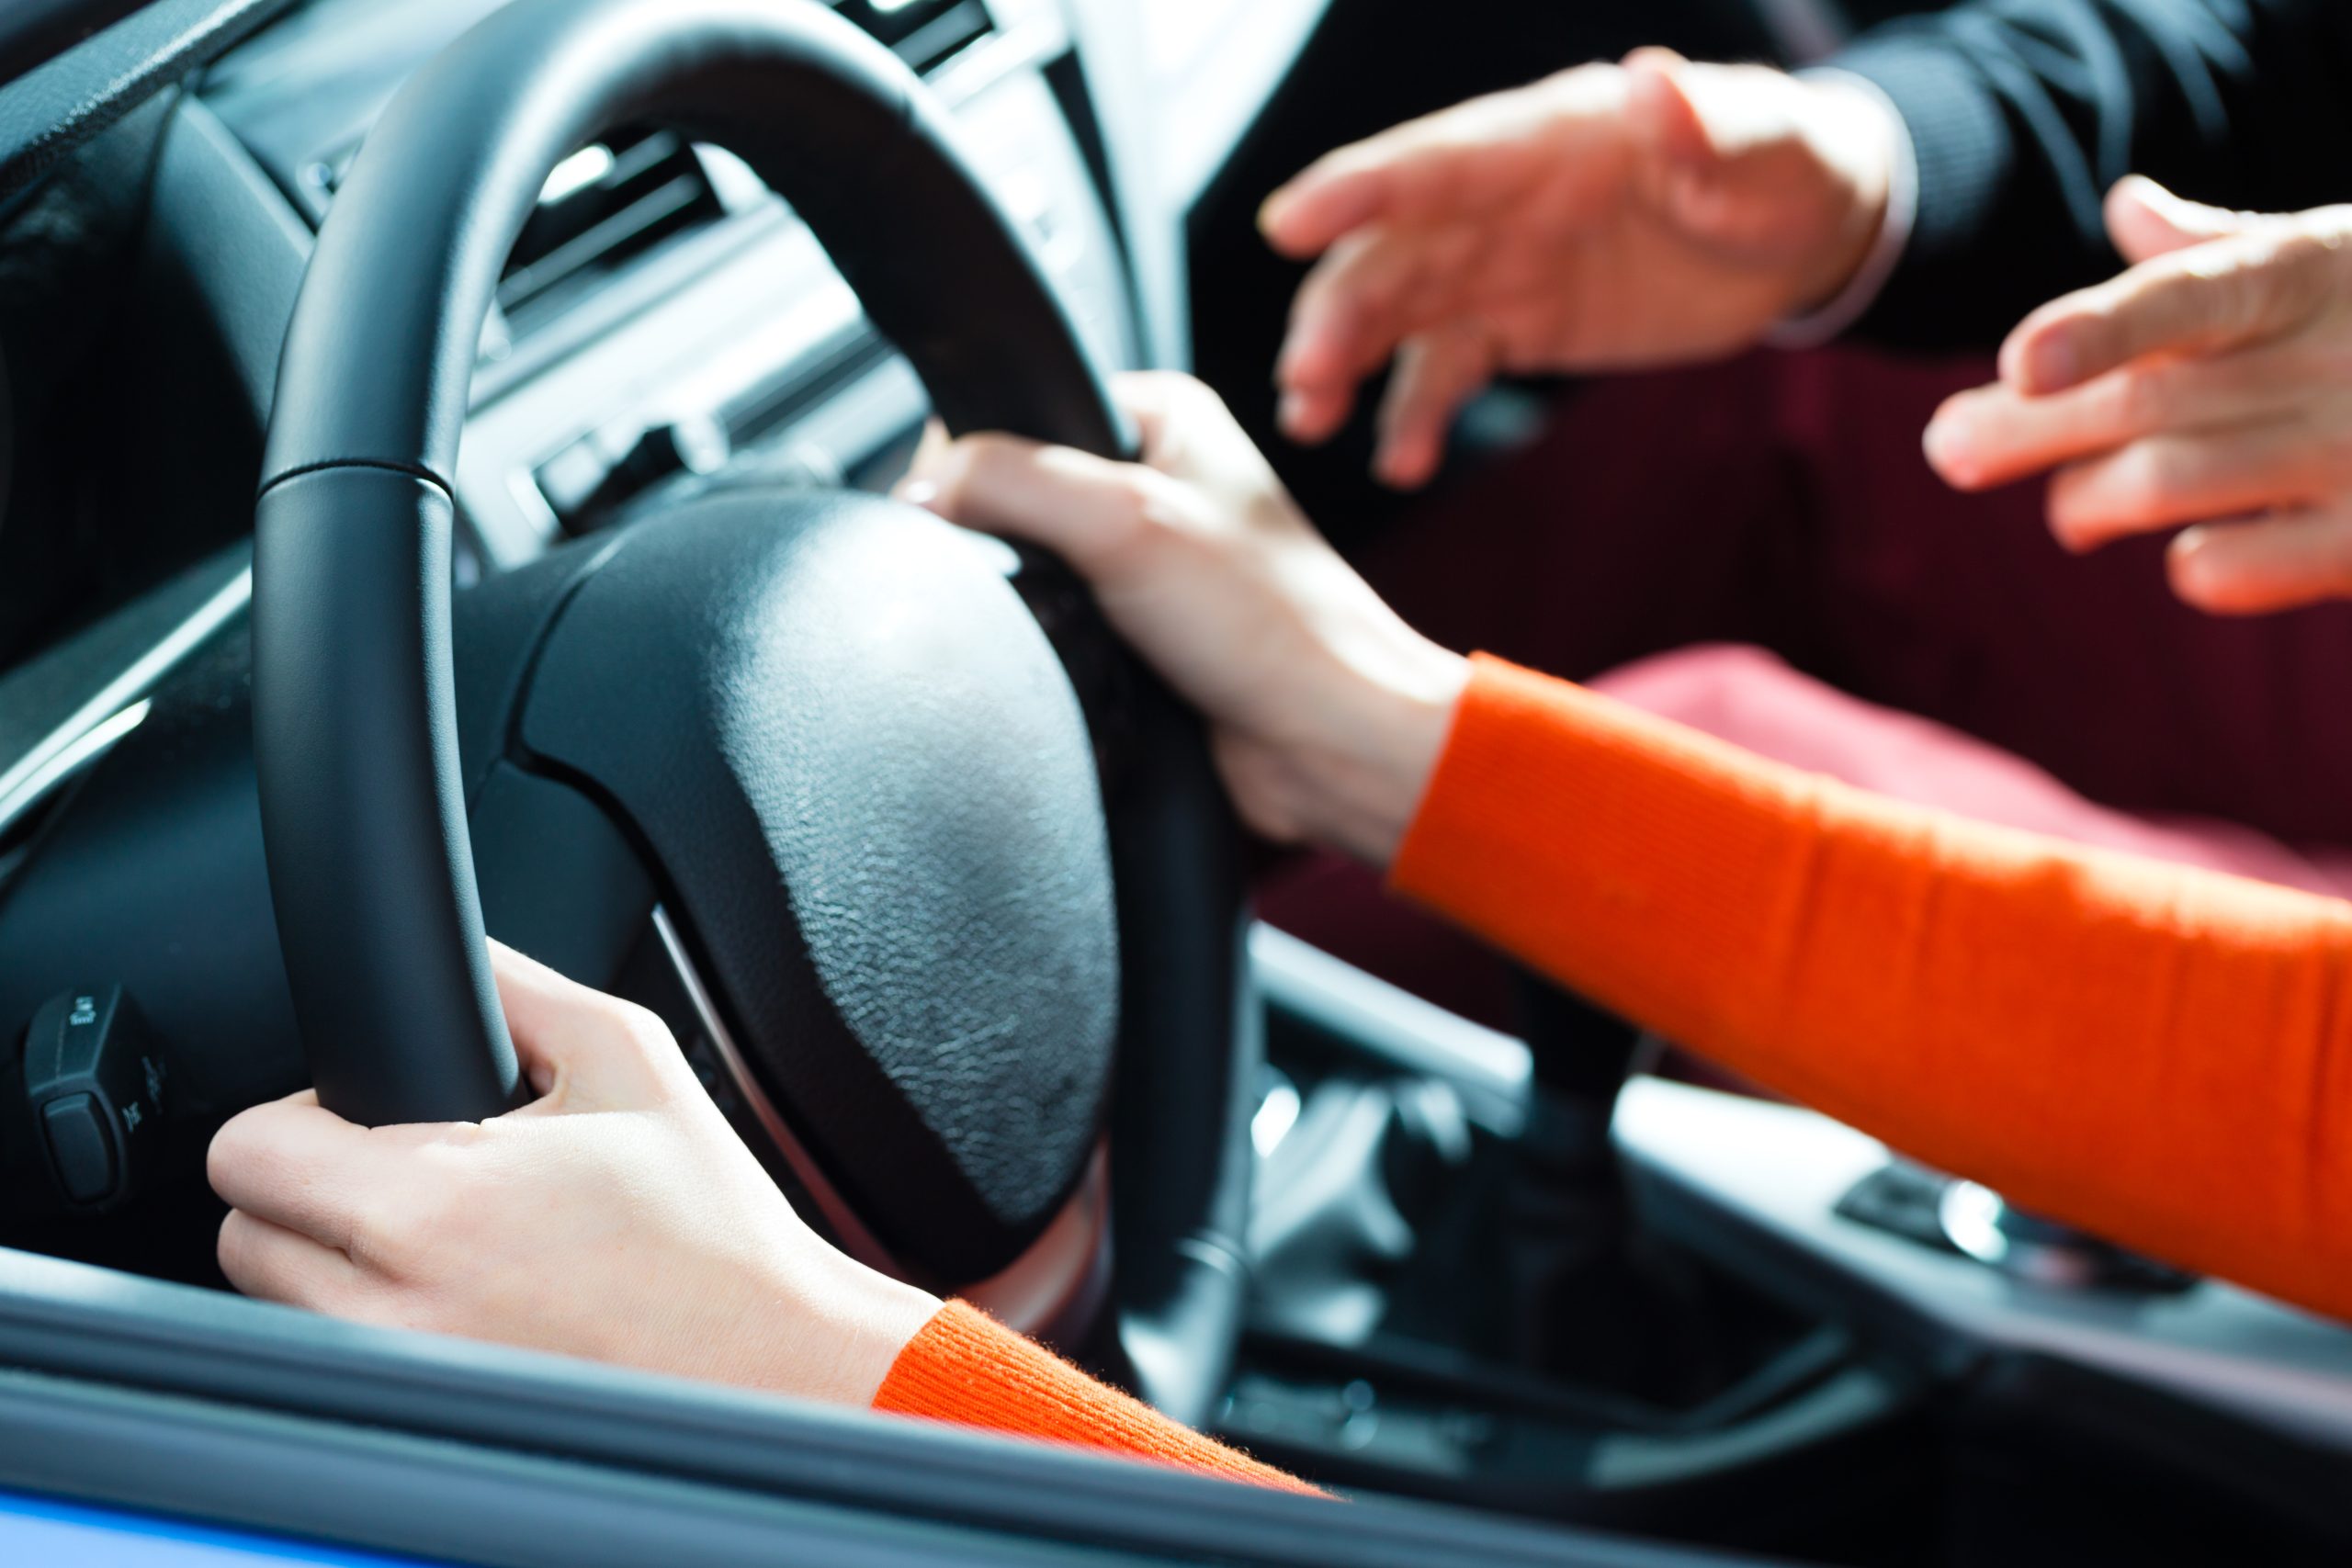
[1591, 1303]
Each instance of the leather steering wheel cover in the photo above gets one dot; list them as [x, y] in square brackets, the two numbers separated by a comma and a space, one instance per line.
[362, 812]
[363, 806]
[412, 251]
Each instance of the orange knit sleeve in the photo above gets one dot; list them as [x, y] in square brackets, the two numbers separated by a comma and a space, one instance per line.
[2156, 1052]
[965, 1367]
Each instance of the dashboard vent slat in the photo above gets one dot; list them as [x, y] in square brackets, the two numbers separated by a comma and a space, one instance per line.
[651, 189]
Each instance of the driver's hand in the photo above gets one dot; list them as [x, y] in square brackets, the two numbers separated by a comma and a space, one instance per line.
[2207, 386]
[616, 1216]
[1326, 710]
[1606, 217]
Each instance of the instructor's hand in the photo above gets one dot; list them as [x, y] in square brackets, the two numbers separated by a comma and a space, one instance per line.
[1326, 710]
[616, 1217]
[2209, 385]
[1606, 217]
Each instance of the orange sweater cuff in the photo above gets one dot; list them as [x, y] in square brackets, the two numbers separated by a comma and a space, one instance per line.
[1659, 825]
[965, 1367]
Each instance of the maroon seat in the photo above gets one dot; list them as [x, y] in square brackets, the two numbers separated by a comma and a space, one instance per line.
[1759, 550]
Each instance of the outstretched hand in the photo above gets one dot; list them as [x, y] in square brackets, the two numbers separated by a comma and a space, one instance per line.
[1606, 217]
[616, 1217]
[2207, 386]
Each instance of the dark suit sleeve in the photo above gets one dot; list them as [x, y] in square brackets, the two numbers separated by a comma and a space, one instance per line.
[2023, 113]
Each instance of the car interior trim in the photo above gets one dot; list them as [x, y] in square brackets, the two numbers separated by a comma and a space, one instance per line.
[96, 699]
[840, 1218]
[61, 104]
[223, 1359]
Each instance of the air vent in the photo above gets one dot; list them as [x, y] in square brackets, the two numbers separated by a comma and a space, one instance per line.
[611, 204]
[607, 205]
[924, 33]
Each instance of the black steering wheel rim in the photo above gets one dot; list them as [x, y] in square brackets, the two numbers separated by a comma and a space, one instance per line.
[391, 976]
[364, 810]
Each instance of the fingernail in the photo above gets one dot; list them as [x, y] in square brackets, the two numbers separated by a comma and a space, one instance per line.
[1399, 470]
[1942, 442]
[916, 492]
[1950, 450]
[1286, 359]
[1291, 413]
[2194, 584]
[2052, 363]
[2192, 568]
[2074, 535]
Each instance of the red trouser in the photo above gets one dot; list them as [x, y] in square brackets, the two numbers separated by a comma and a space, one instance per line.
[1781, 503]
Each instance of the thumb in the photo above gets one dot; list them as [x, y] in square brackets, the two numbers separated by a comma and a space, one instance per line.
[2146, 220]
[1693, 125]
[1084, 508]
[1664, 118]
[583, 1050]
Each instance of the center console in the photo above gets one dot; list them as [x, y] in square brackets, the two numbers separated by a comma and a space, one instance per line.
[1788, 1340]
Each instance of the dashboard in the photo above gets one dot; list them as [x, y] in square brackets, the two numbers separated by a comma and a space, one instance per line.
[665, 321]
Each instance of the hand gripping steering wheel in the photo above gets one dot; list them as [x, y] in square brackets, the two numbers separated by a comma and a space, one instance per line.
[968, 929]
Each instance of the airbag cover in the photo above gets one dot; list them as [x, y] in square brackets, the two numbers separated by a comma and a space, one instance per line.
[872, 798]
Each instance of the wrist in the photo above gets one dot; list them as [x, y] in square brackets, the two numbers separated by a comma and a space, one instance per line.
[1858, 138]
[1377, 740]
[840, 1329]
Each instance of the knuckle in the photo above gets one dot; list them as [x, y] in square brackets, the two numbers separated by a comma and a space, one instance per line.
[2288, 280]
[2146, 397]
[641, 1032]
[1157, 385]
[2152, 473]
[2071, 502]
[968, 472]
[1194, 393]
[391, 1234]
[951, 477]
[2306, 259]
[1141, 510]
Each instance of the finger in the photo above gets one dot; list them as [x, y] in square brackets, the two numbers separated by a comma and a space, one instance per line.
[1311, 415]
[1082, 507]
[297, 1165]
[1436, 374]
[2272, 563]
[1351, 313]
[1703, 116]
[1151, 400]
[1332, 196]
[2224, 294]
[271, 1263]
[1993, 436]
[2166, 480]
[583, 1050]
[1426, 169]
[2145, 220]
[928, 448]
[1410, 170]
[1690, 144]
[1659, 108]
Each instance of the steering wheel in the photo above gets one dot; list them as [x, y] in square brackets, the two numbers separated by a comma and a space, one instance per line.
[966, 931]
